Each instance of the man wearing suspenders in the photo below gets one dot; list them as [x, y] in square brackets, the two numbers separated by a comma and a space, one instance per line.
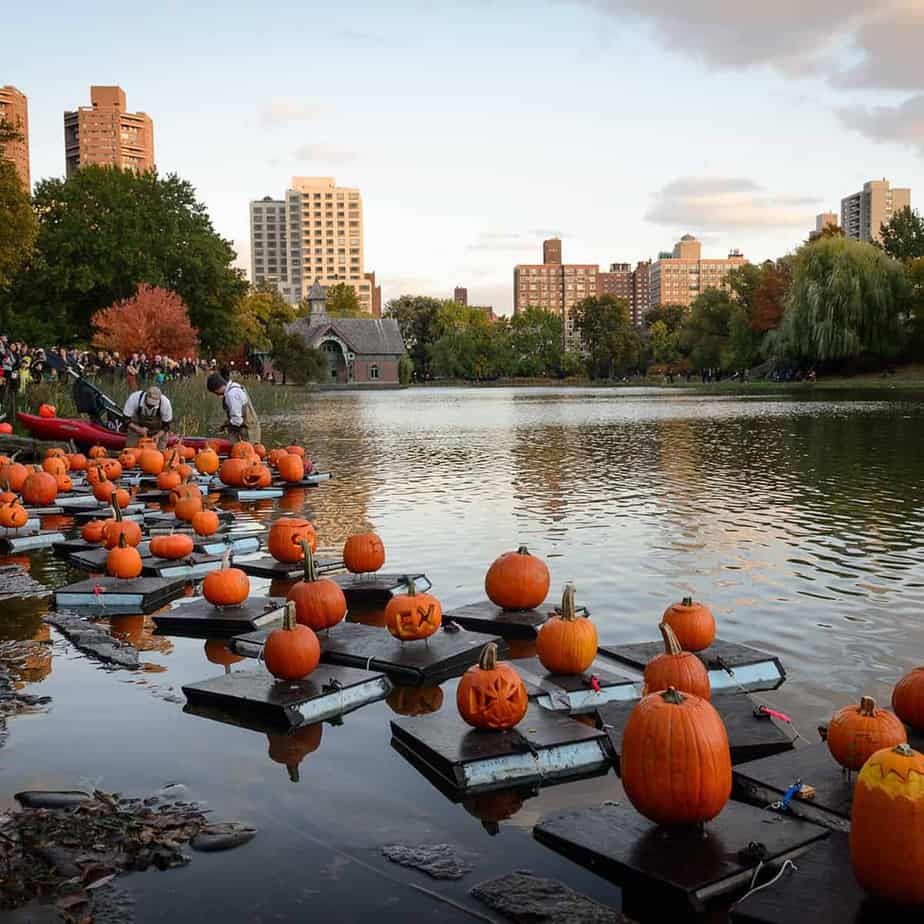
[150, 414]
[242, 423]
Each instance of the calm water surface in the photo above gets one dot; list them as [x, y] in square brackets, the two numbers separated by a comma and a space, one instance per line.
[798, 518]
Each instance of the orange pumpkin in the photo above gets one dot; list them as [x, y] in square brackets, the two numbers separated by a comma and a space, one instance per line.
[296, 451]
[65, 483]
[887, 827]
[676, 668]
[675, 761]
[292, 652]
[123, 561]
[173, 458]
[242, 450]
[95, 474]
[856, 732]
[291, 748]
[205, 522]
[227, 586]
[412, 615]
[319, 602]
[128, 458]
[151, 461]
[185, 489]
[363, 553]
[55, 465]
[39, 489]
[167, 480]
[93, 531]
[112, 468]
[291, 468]
[186, 471]
[517, 580]
[118, 528]
[173, 546]
[259, 450]
[207, 461]
[286, 536]
[97, 452]
[693, 624]
[47, 410]
[275, 455]
[187, 453]
[13, 515]
[908, 698]
[55, 451]
[187, 507]
[567, 643]
[491, 694]
[14, 476]
[232, 471]
[77, 462]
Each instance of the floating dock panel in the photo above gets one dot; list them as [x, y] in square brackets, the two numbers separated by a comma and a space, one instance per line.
[109, 596]
[484, 616]
[193, 566]
[267, 567]
[240, 544]
[576, 694]
[199, 619]
[26, 542]
[252, 494]
[365, 587]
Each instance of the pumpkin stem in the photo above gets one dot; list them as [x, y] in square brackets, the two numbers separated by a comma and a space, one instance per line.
[411, 587]
[522, 550]
[673, 696]
[488, 659]
[226, 559]
[122, 542]
[687, 601]
[903, 749]
[116, 509]
[671, 642]
[568, 611]
[311, 572]
[293, 771]
[867, 705]
[289, 622]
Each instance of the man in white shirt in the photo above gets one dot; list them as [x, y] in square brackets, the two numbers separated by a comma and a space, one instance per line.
[149, 413]
[242, 422]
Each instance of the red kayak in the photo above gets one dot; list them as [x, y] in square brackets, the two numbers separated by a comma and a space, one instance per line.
[86, 434]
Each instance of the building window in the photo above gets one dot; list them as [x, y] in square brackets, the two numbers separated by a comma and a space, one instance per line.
[373, 371]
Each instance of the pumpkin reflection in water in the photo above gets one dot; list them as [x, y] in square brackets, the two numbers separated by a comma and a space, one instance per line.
[368, 615]
[217, 652]
[492, 808]
[138, 631]
[415, 700]
[292, 748]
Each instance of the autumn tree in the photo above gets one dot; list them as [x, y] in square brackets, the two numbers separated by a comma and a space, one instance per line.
[154, 320]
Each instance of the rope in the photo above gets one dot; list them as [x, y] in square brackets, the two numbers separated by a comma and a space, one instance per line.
[787, 864]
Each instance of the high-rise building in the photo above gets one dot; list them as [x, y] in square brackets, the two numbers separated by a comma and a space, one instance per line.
[554, 286]
[460, 295]
[106, 134]
[677, 278]
[14, 110]
[631, 284]
[823, 221]
[314, 233]
[864, 213]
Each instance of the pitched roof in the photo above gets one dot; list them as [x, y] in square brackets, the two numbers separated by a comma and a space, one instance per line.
[362, 335]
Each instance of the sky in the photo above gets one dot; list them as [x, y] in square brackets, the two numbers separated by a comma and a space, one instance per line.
[476, 129]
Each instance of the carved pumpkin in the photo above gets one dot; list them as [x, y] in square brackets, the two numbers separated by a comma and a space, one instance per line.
[293, 747]
[146, 442]
[173, 546]
[7, 496]
[259, 450]
[14, 475]
[97, 452]
[112, 468]
[167, 480]
[232, 471]
[412, 615]
[517, 580]
[242, 450]
[55, 465]
[205, 522]
[887, 826]
[256, 475]
[95, 474]
[187, 453]
[567, 643]
[117, 528]
[415, 700]
[13, 515]
[291, 468]
[295, 451]
[55, 451]
[319, 602]
[187, 507]
[693, 624]
[185, 489]
[151, 461]
[292, 652]
[128, 458]
[207, 461]
[856, 732]
[908, 698]
[491, 694]
[286, 536]
[676, 668]
[217, 652]
[77, 462]
[93, 531]
[363, 553]
[173, 458]
[675, 761]
[65, 484]
[275, 455]
[123, 561]
[227, 586]
[39, 489]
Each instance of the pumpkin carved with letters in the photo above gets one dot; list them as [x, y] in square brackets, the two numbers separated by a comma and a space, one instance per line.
[412, 615]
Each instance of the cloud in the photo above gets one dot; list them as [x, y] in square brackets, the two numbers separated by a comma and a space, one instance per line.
[726, 202]
[903, 124]
[327, 153]
[281, 111]
[503, 241]
[890, 48]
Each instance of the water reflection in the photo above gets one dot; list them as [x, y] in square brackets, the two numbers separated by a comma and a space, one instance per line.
[291, 748]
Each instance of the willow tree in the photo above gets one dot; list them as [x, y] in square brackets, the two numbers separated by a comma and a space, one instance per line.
[846, 300]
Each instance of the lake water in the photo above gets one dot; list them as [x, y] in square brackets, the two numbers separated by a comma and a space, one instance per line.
[797, 518]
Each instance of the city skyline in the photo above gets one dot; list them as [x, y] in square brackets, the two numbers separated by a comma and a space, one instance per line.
[778, 118]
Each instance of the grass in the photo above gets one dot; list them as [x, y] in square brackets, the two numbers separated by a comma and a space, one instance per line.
[195, 411]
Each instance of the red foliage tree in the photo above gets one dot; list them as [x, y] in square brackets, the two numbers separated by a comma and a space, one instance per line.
[154, 320]
[770, 296]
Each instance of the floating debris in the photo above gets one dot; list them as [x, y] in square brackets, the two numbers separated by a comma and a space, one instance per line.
[439, 861]
[94, 640]
[15, 582]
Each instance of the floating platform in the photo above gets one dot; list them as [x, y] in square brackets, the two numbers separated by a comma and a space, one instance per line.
[69, 502]
[544, 747]
[731, 666]
[28, 541]
[193, 566]
[199, 619]
[47, 511]
[366, 587]
[104, 512]
[766, 781]
[32, 526]
[821, 889]
[750, 736]
[671, 873]
[91, 558]
[329, 692]
[267, 567]
[158, 519]
[421, 663]
[576, 694]
[309, 481]
[240, 544]
[251, 494]
[109, 596]
[484, 616]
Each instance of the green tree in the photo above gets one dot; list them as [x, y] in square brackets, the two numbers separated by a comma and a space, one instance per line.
[846, 300]
[18, 225]
[343, 302]
[706, 336]
[535, 343]
[418, 318]
[611, 343]
[298, 363]
[671, 316]
[663, 344]
[903, 235]
[261, 315]
[104, 231]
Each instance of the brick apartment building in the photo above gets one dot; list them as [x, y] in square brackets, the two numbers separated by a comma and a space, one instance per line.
[678, 277]
[631, 284]
[14, 109]
[460, 295]
[106, 134]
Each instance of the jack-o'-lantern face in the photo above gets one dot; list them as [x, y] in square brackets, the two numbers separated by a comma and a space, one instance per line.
[491, 695]
[412, 615]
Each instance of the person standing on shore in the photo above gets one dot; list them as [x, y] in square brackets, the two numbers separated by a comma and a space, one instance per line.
[242, 423]
[149, 413]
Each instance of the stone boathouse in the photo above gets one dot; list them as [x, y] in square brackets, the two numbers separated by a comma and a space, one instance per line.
[359, 351]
